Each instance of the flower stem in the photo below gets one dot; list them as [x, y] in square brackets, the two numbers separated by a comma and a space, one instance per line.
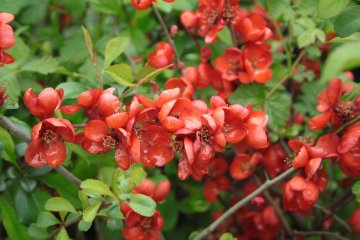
[242, 203]
[166, 31]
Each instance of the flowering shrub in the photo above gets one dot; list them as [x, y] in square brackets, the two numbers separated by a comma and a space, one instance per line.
[208, 119]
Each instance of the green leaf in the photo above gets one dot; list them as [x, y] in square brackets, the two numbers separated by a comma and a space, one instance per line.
[126, 181]
[44, 65]
[330, 8]
[277, 107]
[141, 204]
[89, 43]
[253, 94]
[13, 228]
[84, 199]
[72, 89]
[46, 219]
[351, 95]
[59, 204]
[348, 22]
[90, 212]
[227, 236]
[84, 226]
[306, 38]
[356, 190]
[352, 38]
[114, 48]
[96, 187]
[115, 213]
[8, 150]
[36, 232]
[278, 8]
[344, 57]
[121, 73]
[62, 235]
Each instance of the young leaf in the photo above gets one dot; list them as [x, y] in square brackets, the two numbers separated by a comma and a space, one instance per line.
[84, 226]
[348, 22]
[356, 190]
[59, 204]
[90, 212]
[96, 187]
[142, 204]
[46, 219]
[89, 43]
[121, 73]
[8, 149]
[227, 236]
[330, 8]
[62, 235]
[114, 48]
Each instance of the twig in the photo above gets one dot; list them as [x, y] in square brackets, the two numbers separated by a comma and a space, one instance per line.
[320, 233]
[166, 31]
[65, 225]
[68, 175]
[352, 121]
[336, 206]
[6, 123]
[336, 217]
[242, 203]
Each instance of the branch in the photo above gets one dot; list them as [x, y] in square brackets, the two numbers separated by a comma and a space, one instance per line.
[336, 217]
[7, 124]
[166, 31]
[320, 233]
[242, 203]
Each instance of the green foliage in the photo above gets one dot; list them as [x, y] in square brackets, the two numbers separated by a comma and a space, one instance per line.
[59, 204]
[348, 22]
[356, 191]
[114, 48]
[140, 203]
[121, 74]
[330, 8]
[94, 187]
[126, 181]
[46, 219]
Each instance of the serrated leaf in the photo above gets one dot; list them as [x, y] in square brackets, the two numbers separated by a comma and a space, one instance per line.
[44, 65]
[59, 204]
[46, 219]
[344, 57]
[330, 8]
[90, 212]
[114, 48]
[348, 22]
[121, 73]
[277, 107]
[253, 94]
[62, 235]
[142, 204]
[96, 187]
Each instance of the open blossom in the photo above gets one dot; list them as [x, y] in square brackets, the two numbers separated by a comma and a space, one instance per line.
[162, 56]
[45, 103]
[300, 194]
[47, 143]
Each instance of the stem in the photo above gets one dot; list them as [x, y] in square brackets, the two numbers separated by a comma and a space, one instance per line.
[68, 175]
[336, 217]
[242, 203]
[340, 129]
[166, 31]
[7, 124]
[320, 233]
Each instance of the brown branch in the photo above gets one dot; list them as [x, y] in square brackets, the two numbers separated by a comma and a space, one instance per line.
[319, 233]
[166, 31]
[242, 203]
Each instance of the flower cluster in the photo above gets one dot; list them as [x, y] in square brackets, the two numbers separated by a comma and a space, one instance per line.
[144, 130]
[7, 39]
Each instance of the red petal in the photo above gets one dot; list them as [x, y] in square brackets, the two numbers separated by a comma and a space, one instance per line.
[349, 139]
[96, 130]
[183, 168]
[320, 121]
[297, 183]
[161, 191]
[334, 90]
[189, 150]
[107, 104]
[55, 154]
[70, 109]
[167, 96]
[312, 166]
[117, 120]
[34, 157]
[122, 158]
[256, 137]
[301, 158]
[311, 192]
[50, 100]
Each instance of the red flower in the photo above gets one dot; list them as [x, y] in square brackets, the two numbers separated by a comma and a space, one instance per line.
[300, 194]
[47, 143]
[162, 56]
[244, 165]
[2, 95]
[5, 58]
[138, 227]
[142, 4]
[333, 110]
[252, 28]
[7, 39]
[158, 192]
[349, 150]
[187, 90]
[355, 220]
[44, 104]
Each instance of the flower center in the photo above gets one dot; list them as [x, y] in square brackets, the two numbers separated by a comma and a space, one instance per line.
[344, 111]
[48, 136]
[146, 223]
[178, 146]
[205, 136]
[109, 142]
